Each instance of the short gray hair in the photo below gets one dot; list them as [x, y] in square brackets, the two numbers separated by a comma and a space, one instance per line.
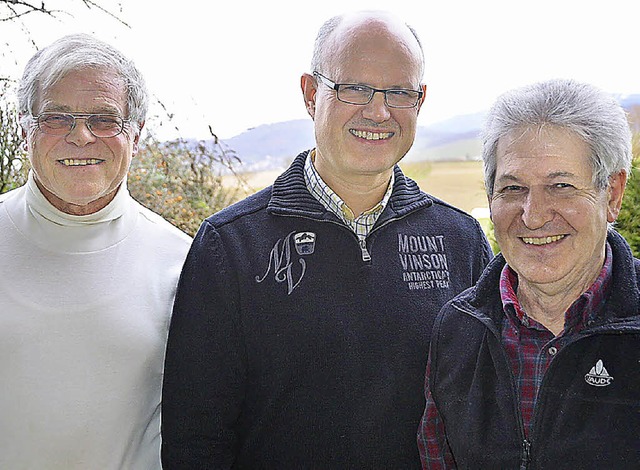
[77, 52]
[590, 113]
[329, 26]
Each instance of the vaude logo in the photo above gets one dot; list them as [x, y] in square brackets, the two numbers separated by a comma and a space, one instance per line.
[598, 375]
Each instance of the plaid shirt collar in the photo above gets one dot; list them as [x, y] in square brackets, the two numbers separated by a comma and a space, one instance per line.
[585, 308]
[362, 224]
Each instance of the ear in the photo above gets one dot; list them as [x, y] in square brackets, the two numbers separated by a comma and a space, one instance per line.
[615, 191]
[489, 201]
[309, 89]
[24, 134]
[423, 87]
[136, 139]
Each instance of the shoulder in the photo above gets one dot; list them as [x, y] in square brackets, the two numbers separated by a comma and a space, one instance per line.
[9, 194]
[251, 205]
[159, 227]
[451, 210]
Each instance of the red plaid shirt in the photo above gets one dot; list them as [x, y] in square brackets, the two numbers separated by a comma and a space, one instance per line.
[530, 348]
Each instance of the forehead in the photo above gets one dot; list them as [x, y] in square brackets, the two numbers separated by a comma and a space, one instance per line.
[86, 90]
[543, 150]
[361, 47]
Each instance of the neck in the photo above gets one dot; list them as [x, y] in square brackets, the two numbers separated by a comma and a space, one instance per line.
[363, 195]
[548, 304]
[76, 209]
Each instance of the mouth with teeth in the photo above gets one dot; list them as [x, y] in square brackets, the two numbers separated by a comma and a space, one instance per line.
[371, 135]
[80, 162]
[542, 240]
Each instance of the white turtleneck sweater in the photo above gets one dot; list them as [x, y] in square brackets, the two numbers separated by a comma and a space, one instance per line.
[85, 305]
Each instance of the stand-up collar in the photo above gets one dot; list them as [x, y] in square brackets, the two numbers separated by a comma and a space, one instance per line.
[290, 195]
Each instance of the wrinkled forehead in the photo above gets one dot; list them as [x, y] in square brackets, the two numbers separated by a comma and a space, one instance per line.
[103, 86]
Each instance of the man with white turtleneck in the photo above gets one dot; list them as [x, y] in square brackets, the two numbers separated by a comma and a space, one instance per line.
[87, 275]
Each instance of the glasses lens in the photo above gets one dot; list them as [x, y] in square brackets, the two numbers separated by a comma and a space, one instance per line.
[57, 124]
[402, 98]
[355, 94]
[104, 125]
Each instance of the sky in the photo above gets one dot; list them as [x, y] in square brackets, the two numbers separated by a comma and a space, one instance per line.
[234, 65]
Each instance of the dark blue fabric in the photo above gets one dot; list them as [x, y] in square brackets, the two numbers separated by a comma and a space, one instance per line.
[287, 350]
[575, 424]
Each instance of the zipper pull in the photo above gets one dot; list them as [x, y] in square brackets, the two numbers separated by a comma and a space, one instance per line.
[526, 454]
[363, 247]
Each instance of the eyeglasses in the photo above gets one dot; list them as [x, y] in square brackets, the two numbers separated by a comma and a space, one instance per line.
[100, 125]
[355, 93]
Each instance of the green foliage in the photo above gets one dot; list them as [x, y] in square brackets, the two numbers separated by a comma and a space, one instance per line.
[183, 181]
[628, 222]
[13, 158]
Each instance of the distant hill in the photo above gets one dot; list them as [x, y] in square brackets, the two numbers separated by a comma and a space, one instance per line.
[273, 146]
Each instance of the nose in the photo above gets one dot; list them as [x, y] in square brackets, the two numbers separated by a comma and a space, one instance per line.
[537, 208]
[80, 135]
[376, 110]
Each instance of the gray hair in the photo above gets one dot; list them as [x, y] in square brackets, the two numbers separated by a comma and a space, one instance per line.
[327, 29]
[593, 115]
[77, 52]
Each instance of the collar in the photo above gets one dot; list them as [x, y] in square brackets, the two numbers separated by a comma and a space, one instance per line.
[56, 231]
[290, 195]
[40, 205]
[361, 224]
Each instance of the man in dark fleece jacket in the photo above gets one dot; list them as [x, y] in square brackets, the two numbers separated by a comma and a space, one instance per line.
[303, 314]
[537, 366]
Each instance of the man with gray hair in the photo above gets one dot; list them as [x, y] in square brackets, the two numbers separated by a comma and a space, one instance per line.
[87, 275]
[537, 365]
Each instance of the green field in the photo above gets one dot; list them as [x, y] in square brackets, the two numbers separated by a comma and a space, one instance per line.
[458, 183]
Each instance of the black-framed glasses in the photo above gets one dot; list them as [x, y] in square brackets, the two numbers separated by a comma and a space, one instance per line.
[100, 125]
[356, 93]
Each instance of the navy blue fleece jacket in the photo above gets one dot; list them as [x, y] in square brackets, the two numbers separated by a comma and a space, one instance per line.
[288, 350]
[584, 418]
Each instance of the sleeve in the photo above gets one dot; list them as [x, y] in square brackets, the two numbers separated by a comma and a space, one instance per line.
[205, 365]
[435, 453]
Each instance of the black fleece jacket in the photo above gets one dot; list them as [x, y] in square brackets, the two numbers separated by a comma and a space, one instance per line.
[585, 417]
[288, 350]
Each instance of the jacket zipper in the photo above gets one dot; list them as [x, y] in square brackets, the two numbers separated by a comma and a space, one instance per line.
[366, 257]
[526, 443]
[526, 454]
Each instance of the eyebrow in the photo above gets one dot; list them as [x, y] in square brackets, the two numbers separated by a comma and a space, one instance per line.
[62, 108]
[555, 174]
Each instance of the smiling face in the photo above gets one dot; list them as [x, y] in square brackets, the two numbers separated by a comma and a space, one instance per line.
[550, 220]
[80, 173]
[355, 141]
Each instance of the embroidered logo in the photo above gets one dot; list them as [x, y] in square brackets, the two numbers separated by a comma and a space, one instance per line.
[305, 242]
[598, 375]
[282, 264]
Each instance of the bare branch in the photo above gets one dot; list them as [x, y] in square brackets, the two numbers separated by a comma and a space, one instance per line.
[90, 3]
[30, 8]
[20, 8]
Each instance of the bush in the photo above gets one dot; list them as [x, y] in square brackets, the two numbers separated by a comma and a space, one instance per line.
[185, 181]
[628, 223]
[14, 165]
